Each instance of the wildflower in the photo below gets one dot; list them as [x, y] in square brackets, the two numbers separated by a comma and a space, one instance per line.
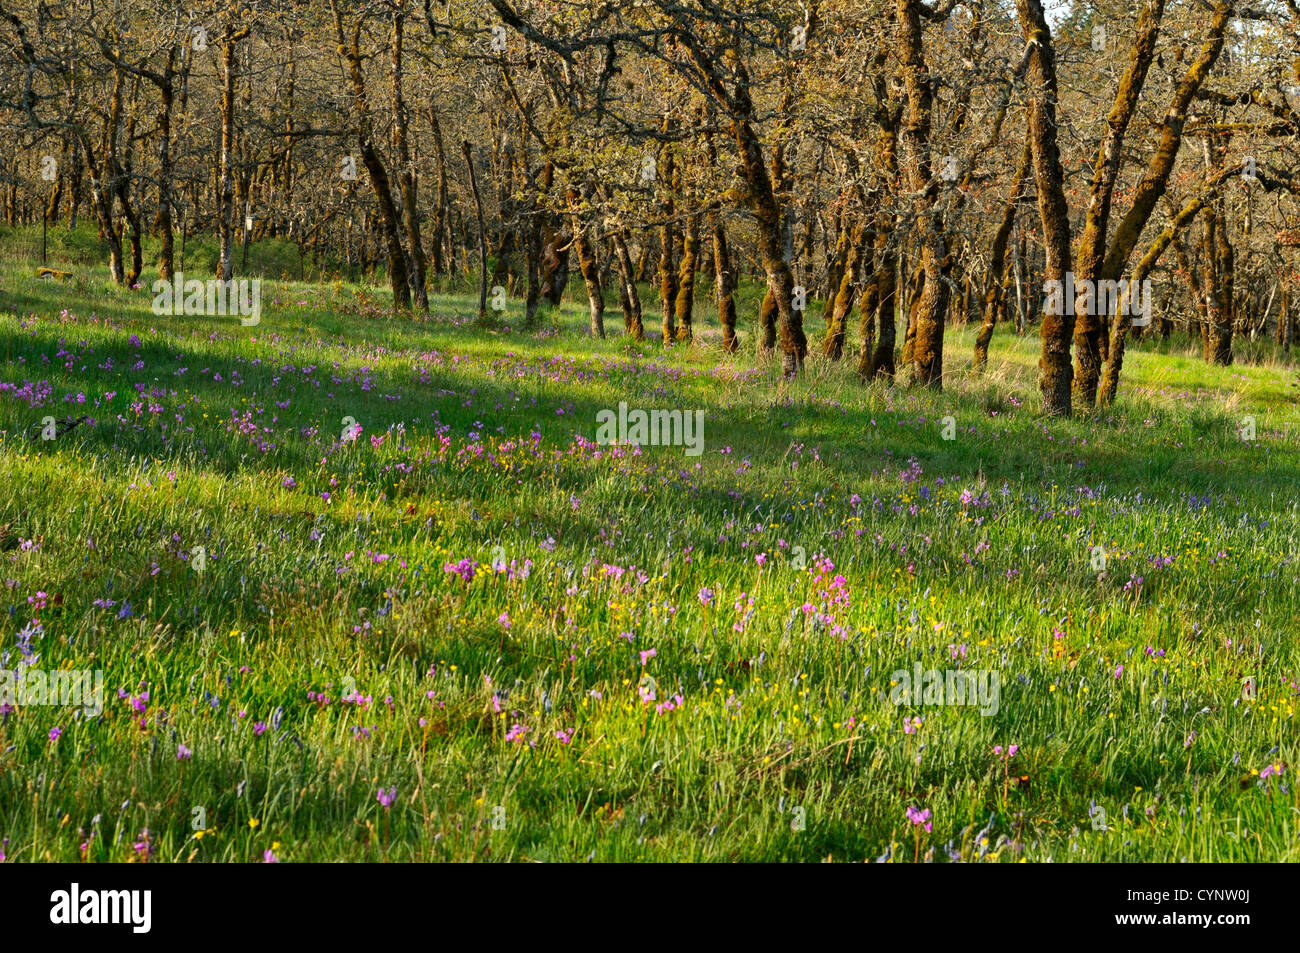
[516, 732]
[143, 847]
[54, 733]
[646, 656]
[183, 753]
[464, 568]
[30, 633]
[386, 798]
[920, 817]
[647, 689]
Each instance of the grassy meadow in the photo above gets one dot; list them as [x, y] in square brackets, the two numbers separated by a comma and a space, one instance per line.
[474, 633]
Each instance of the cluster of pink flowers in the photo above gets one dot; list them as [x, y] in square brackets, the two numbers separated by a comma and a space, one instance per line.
[745, 604]
[139, 704]
[514, 571]
[465, 568]
[832, 598]
[670, 704]
[919, 817]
